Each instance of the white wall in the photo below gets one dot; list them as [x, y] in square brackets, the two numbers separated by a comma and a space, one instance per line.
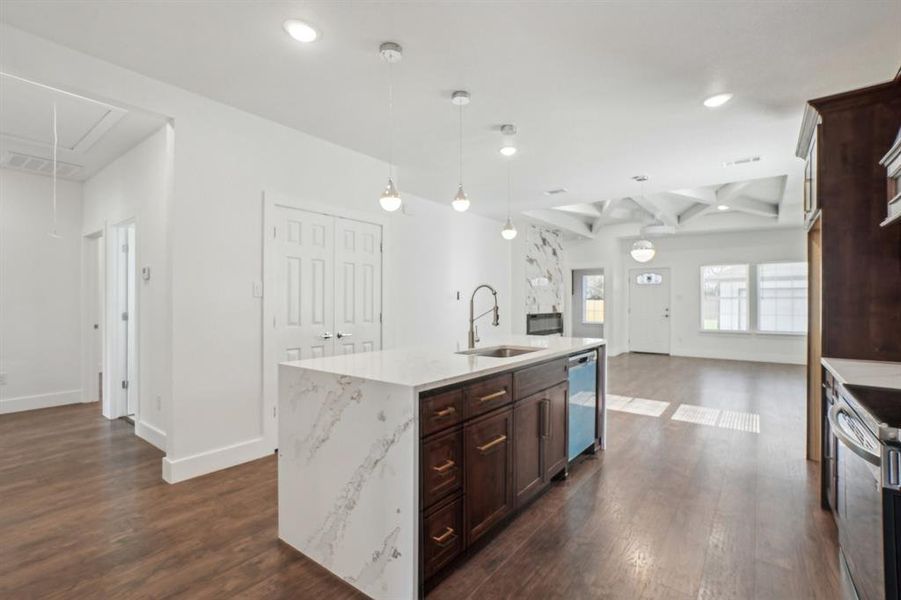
[684, 255]
[224, 159]
[40, 293]
[136, 187]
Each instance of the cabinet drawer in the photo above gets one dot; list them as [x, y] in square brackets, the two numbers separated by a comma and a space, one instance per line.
[440, 411]
[442, 537]
[488, 394]
[442, 466]
[531, 380]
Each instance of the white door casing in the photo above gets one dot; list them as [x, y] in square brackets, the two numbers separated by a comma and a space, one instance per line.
[649, 310]
[304, 290]
[357, 286]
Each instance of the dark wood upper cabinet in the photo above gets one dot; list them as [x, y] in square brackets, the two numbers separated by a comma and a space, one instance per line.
[488, 450]
[861, 261]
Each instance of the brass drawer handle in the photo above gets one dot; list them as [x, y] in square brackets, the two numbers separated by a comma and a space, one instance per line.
[448, 464]
[498, 440]
[492, 396]
[445, 412]
[445, 537]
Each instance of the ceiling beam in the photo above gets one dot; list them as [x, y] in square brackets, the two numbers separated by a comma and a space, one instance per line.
[589, 210]
[694, 211]
[703, 195]
[752, 206]
[650, 204]
[561, 220]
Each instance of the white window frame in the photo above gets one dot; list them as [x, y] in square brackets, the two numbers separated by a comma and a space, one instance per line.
[583, 299]
[750, 313]
[758, 303]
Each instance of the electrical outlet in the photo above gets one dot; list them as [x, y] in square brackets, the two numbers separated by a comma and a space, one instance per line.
[257, 289]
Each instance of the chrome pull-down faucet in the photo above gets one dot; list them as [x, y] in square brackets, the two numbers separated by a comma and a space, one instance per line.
[473, 336]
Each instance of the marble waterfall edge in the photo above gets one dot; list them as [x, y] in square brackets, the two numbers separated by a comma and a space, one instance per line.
[348, 478]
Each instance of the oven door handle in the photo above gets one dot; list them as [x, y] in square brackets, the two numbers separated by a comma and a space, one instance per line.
[847, 440]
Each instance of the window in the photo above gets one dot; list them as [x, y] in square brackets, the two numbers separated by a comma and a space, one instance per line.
[724, 298]
[593, 299]
[649, 279]
[782, 297]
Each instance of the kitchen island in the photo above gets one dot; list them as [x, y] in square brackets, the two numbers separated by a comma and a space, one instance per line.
[358, 433]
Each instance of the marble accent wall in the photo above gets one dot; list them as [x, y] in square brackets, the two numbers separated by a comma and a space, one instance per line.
[348, 480]
[544, 270]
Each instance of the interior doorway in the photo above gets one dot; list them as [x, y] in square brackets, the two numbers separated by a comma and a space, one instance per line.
[588, 303]
[93, 282]
[120, 397]
[649, 310]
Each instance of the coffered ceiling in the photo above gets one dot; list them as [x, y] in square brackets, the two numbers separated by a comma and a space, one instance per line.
[599, 91]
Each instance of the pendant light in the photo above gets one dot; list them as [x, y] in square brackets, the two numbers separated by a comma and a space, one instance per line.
[55, 134]
[390, 199]
[460, 201]
[642, 250]
[509, 230]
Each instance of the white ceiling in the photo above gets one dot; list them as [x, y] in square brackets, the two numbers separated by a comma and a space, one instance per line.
[599, 91]
[90, 133]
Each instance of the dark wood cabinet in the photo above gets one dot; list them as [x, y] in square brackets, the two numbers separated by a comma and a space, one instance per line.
[442, 536]
[528, 452]
[488, 450]
[555, 442]
[488, 447]
[442, 467]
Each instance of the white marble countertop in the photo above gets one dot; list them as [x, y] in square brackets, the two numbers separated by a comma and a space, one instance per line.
[428, 367]
[865, 372]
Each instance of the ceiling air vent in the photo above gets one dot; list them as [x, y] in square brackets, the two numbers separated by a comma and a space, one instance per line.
[741, 161]
[556, 191]
[39, 165]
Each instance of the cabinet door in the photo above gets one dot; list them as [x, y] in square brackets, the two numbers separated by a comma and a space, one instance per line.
[528, 433]
[556, 414]
[488, 462]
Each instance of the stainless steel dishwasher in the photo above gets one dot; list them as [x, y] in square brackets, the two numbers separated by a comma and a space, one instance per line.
[583, 402]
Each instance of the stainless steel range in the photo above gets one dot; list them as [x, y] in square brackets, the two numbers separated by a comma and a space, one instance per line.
[862, 482]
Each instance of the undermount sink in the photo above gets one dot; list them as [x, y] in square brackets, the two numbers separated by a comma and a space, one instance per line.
[500, 351]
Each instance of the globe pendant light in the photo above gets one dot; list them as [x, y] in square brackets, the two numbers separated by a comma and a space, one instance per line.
[642, 251]
[509, 230]
[390, 199]
[460, 201]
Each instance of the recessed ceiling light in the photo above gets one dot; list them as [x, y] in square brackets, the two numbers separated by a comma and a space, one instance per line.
[722, 207]
[301, 31]
[718, 100]
[508, 150]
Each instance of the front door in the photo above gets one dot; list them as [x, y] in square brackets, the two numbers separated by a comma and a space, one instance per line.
[649, 310]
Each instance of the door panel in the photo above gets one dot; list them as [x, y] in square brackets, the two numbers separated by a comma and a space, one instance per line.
[555, 429]
[358, 287]
[488, 460]
[528, 468]
[649, 310]
[304, 317]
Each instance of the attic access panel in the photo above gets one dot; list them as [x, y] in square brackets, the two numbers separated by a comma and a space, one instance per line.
[25, 109]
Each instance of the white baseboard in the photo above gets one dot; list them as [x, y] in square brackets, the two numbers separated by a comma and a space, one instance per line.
[181, 469]
[151, 434]
[749, 357]
[20, 403]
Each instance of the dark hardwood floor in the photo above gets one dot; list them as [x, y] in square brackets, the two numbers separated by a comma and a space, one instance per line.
[670, 510]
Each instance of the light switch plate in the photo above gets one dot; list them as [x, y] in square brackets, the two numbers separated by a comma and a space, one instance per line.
[257, 289]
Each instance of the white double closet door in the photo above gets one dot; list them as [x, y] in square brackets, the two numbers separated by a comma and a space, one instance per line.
[329, 285]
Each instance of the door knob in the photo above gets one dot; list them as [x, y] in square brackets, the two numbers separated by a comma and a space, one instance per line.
[343, 335]
[327, 336]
